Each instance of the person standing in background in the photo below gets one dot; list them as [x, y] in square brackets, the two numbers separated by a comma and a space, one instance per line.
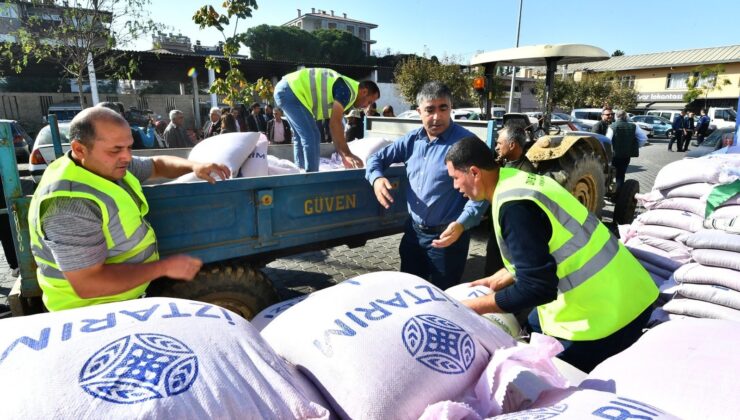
[702, 128]
[278, 129]
[212, 127]
[678, 131]
[689, 125]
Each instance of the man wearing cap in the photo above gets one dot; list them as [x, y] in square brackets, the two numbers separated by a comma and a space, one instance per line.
[436, 239]
[89, 237]
[315, 94]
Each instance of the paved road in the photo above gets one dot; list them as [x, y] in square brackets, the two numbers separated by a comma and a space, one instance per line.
[315, 270]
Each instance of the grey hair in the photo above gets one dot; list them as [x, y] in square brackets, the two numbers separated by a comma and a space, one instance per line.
[174, 113]
[514, 134]
[433, 90]
[277, 108]
[213, 110]
[621, 115]
[82, 127]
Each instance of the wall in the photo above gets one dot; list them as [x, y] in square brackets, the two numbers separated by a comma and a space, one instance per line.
[390, 96]
[29, 108]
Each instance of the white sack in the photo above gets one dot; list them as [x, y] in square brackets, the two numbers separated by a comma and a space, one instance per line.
[662, 232]
[686, 171]
[714, 239]
[369, 340]
[145, 359]
[364, 148]
[267, 315]
[506, 322]
[701, 274]
[256, 162]
[277, 166]
[675, 250]
[726, 212]
[710, 293]
[684, 366]
[672, 218]
[691, 205]
[700, 309]
[230, 149]
[717, 258]
[697, 190]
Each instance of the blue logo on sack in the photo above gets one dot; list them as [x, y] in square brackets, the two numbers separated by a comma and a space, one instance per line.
[438, 344]
[138, 368]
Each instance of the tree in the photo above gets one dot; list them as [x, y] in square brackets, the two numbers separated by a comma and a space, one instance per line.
[70, 33]
[412, 73]
[268, 42]
[234, 87]
[617, 53]
[595, 90]
[703, 81]
[340, 47]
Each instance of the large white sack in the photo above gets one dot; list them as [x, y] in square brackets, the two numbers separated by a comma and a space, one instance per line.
[692, 205]
[702, 274]
[714, 239]
[677, 251]
[672, 218]
[506, 322]
[731, 225]
[726, 212]
[709, 169]
[657, 231]
[364, 148]
[267, 315]
[386, 345]
[710, 293]
[700, 309]
[696, 190]
[145, 359]
[717, 258]
[685, 366]
[230, 149]
[277, 166]
[256, 162]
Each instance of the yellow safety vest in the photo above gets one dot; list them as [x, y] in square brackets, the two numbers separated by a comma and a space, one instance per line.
[313, 87]
[128, 237]
[601, 287]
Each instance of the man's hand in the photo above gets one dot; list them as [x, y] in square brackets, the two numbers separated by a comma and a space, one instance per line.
[497, 281]
[449, 236]
[207, 171]
[182, 267]
[382, 188]
[482, 304]
[351, 161]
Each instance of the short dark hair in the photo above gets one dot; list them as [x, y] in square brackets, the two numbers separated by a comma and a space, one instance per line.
[471, 151]
[255, 105]
[82, 127]
[371, 87]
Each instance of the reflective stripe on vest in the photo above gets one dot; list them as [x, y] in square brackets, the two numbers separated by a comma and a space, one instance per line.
[313, 87]
[601, 286]
[129, 238]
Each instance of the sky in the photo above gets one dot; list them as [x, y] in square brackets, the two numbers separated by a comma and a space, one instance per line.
[461, 28]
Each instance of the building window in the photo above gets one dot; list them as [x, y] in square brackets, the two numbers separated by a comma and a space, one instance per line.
[627, 81]
[351, 29]
[298, 24]
[332, 25]
[317, 24]
[677, 81]
[363, 33]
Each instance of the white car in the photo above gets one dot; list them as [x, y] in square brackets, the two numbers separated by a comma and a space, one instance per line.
[410, 114]
[42, 153]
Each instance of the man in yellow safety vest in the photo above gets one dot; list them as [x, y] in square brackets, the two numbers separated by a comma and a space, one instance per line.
[589, 291]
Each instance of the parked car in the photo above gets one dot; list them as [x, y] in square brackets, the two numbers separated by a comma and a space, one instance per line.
[721, 137]
[410, 114]
[21, 140]
[64, 111]
[42, 153]
[661, 126]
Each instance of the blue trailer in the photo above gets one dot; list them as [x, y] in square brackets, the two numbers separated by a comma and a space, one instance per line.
[239, 225]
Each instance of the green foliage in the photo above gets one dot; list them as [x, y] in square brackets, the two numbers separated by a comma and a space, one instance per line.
[595, 90]
[234, 86]
[340, 47]
[411, 74]
[705, 80]
[267, 42]
[617, 53]
[86, 27]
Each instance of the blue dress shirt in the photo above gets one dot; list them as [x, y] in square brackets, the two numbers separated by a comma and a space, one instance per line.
[432, 200]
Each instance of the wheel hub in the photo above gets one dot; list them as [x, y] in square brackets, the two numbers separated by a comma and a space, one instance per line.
[585, 192]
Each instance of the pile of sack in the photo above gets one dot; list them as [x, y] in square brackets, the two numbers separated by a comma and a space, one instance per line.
[687, 240]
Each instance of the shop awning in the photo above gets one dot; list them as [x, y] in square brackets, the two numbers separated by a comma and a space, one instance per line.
[661, 105]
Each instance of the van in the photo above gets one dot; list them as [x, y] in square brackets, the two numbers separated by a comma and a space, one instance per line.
[587, 116]
[668, 114]
[64, 111]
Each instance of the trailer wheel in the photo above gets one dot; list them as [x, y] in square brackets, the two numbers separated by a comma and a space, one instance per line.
[237, 287]
[585, 178]
[625, 204]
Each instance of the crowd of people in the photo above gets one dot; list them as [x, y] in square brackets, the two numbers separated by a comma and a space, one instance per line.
[685, 126]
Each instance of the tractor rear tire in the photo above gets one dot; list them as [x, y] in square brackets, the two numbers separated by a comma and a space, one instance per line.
[625, 203]
[237, 287]
[585, 178]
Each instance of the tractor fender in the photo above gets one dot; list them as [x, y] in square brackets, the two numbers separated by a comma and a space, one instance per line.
[553, 147]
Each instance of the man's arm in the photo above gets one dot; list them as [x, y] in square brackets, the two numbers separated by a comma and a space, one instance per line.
[111, 279]
[470, 217]
[173, 167]
[349, 160]
[398, 151]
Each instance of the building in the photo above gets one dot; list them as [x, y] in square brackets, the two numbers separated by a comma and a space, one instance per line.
[171, 43]
[320, 19]
[660, 78]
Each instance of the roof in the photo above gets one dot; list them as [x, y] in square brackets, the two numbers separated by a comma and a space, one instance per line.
[695, 57]
[331, 17]
[537, 55]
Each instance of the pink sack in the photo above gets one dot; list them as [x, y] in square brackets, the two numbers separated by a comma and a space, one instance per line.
[685, 366]
[146, 358]
[386, 345]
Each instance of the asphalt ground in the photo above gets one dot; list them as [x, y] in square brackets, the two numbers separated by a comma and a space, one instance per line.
[307, 272]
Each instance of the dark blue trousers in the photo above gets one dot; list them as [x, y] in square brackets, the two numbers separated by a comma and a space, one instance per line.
[443, 267]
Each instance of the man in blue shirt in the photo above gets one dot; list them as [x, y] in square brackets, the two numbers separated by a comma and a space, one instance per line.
[678, 131]
[702, 128]
[435, 242]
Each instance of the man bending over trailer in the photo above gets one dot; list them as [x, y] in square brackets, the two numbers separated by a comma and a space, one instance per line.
[590, 292]
[86, 219]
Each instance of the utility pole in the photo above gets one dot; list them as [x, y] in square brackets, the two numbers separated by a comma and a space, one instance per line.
[513, 73]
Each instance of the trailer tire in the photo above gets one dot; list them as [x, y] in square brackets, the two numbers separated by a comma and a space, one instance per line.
[584, 177]
[625, 203]
[237, 287]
